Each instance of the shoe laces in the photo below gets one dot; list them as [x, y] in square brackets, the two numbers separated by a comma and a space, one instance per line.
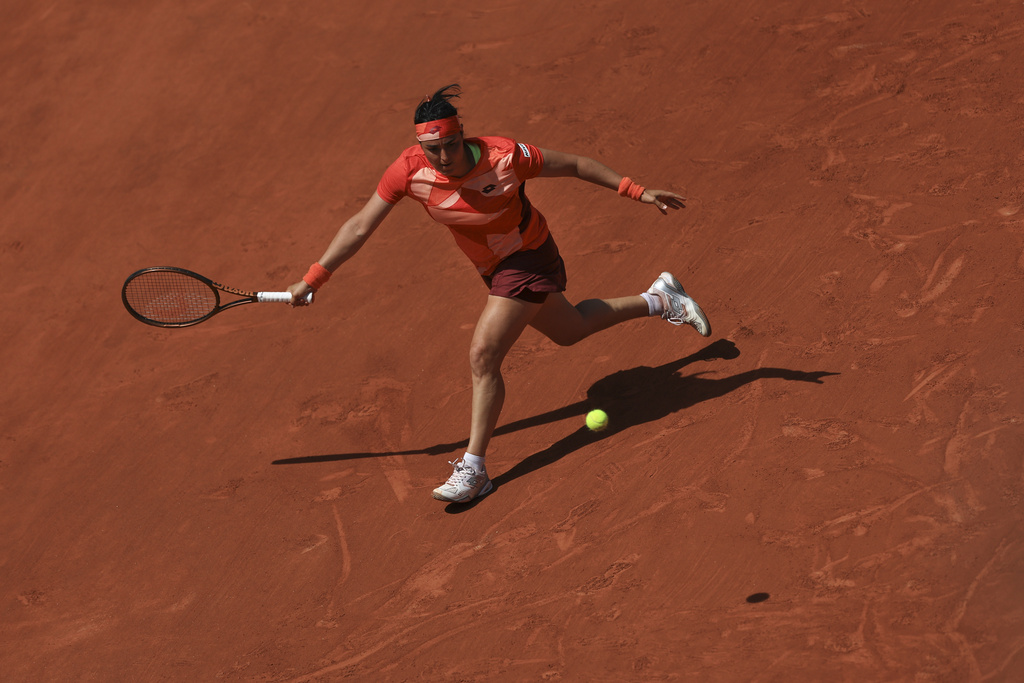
[674, 317]
[462, 472]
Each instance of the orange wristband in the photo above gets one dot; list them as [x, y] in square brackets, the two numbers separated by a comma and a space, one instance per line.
[627, 188]
[317, 276]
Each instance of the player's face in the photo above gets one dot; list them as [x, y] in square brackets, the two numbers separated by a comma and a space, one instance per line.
[448, 155]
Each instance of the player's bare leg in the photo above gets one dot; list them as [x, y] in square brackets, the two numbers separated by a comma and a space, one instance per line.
[499, 326]
[565, 324]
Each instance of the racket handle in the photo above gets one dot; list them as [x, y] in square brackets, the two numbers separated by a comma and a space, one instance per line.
[279, 297]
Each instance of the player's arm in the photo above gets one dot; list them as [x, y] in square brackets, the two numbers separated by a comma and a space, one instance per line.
[564, 165]
[349, 239]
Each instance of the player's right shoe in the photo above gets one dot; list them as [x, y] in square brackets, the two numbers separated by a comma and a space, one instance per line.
[464, 485]
[680, 309]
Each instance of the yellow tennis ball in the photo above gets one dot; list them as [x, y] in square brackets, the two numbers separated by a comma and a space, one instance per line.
[597, 420]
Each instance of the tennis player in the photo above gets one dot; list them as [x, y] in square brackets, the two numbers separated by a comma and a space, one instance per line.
[476, 187]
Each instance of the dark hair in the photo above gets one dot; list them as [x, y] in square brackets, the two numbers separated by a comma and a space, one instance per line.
[437, 106]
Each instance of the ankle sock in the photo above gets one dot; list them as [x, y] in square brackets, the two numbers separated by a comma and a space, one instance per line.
[654, 304]
[474, 461]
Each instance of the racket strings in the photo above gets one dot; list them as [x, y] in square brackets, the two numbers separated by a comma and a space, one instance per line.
[170, 297]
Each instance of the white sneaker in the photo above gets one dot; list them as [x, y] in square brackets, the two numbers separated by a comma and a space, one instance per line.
[679, 308]
[464, 485]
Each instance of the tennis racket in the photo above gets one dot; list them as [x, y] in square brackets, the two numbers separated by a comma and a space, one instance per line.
[174, 297]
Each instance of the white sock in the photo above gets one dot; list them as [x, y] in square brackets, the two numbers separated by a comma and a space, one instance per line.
[474, 461]
[654, 303]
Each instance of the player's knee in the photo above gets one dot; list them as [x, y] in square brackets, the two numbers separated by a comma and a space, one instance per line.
[484, 359]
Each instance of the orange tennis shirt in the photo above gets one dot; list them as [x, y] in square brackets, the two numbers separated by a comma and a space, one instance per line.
[487, 209]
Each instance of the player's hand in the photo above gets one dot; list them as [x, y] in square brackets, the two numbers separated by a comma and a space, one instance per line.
[300, 292]
[663, 199]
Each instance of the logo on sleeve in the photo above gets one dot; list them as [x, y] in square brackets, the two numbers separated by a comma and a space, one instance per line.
[526, 150]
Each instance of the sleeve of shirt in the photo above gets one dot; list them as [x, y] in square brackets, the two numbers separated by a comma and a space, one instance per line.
[393, 184]
[528, 161]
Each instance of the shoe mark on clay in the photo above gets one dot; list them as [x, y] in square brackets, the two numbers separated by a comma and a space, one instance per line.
[924, 538]
[862, 82]
[323, 408]
[511, 537]
[226, 491]
[185, 396]
[346, 556]
[565, 531]
[609, 473]
[924, 380]
[826, 578]
[671, 495]
[470, 48]
[311, 543]
[936, 290]
[610, 576]
[63, 633]
[879, 282]
[930, 150]
[181, 604]
[815, 22]
[33, 598]
[341, 474]
[711, 501]
[981, 44]
[851, 644]
[836, 434]
[958, 445]
[833, 157]
[871, 214]
[15, 247]
[938, 281]
[398, 477]
[610, 247]
[330, 619]
[433, 578]
[328, 495]
[866, 516]
[336, 492]
[941, 379]
[961, 444]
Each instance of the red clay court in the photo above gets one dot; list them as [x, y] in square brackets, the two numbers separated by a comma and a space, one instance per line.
[249, 499]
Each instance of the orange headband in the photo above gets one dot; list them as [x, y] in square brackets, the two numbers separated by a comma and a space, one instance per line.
[435, 130]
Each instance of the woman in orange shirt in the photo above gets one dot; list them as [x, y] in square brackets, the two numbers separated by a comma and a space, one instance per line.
[476, 187]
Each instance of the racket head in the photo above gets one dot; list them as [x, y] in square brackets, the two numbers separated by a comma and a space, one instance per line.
[165, 296]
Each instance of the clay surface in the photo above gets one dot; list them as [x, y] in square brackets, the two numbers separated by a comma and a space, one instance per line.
[828, 488]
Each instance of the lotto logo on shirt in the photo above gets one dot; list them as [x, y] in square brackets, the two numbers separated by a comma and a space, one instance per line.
[525, 149]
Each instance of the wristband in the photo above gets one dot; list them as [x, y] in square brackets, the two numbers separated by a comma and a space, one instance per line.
[317, 276]
[627, 188]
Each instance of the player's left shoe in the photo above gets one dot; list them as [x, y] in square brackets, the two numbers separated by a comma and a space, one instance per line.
[464, 485]
[680, 309]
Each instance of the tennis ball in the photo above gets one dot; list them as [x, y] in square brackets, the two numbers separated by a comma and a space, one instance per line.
[597, 420]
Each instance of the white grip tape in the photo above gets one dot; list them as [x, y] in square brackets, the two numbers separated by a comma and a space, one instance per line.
[277, 297]
[273, 297]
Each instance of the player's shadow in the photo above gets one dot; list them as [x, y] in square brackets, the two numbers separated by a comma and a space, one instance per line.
[721, 349]
[631, 397]
[645, 394]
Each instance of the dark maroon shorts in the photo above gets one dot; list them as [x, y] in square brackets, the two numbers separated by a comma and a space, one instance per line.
[529, 275]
